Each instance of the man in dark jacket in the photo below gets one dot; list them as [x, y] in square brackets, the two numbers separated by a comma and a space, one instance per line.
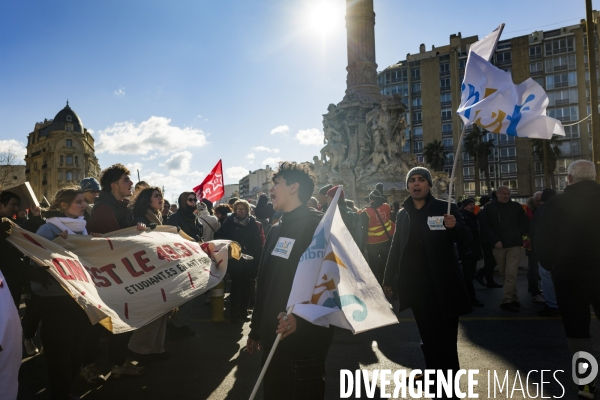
[567, 241]
[111, 213]
[430, 282]
[504, 222]
[351, 219]
[298, 366]
[241, 227]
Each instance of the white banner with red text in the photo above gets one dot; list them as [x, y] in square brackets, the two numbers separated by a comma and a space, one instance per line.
[128, 278]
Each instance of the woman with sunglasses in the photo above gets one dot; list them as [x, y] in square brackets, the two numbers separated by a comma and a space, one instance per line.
[186, 220]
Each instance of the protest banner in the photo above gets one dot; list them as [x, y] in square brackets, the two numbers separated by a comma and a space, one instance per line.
[128, 278]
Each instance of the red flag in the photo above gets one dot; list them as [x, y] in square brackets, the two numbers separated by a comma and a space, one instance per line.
[212, 187]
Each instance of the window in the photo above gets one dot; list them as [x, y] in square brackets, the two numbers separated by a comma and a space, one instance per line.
[415, 73]
[508, 152]
[69, 143]
[61, 176]
[448, 142]
[69, 175]
[469, 186]
[446, 128]
[572, 131]
[468, 171]
[446, 113]
[462, 64]
[420, 158]
[503, 57]
[446, 98]
[506, 139]
[564, 96]
[61, 159]
[445, 82]
[449, 158]
[69, 118]
[559, 63]
[416, 102]
[535, 51]
[418, 146]
[69, 128]
[539, 183]
[539, 167]
[511, 184]
[417, 116]
[565, 113]
[416, 87]
[558, 46]
[396, 76]
[540, 81]
[484, 188]
[444, 68]
[76, 159]
[418, 131]
[508, 169]
[69, 159]
[536, 67]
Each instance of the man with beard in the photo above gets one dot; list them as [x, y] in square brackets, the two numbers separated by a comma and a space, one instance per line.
[297, 369]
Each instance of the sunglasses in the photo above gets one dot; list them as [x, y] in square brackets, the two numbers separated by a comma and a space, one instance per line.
[193, 199]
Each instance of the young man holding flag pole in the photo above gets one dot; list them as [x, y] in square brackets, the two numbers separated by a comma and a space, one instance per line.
[312, 267]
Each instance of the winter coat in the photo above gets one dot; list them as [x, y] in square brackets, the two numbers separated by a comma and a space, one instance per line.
[504, 222]
[474, 248]
[210, 225]
[567, 235]
[185, 219]
[250, 239]
[276, 275]
[442, 264]
[109, 214]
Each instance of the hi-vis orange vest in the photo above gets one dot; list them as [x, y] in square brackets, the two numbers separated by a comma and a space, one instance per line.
[376, 233]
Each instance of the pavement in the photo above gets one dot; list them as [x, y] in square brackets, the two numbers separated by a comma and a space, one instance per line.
[214, 364]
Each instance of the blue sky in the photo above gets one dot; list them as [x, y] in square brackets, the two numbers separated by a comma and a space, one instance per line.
[195, 81]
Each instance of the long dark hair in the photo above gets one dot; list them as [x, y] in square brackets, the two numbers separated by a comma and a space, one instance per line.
[143, 200]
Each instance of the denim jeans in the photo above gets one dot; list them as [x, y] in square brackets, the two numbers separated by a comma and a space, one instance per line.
[548, 287]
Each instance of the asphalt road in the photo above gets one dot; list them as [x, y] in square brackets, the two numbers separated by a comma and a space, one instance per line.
[214, 365]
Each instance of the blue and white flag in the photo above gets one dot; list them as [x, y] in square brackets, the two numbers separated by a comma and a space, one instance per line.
[334, 284]
[492, 101]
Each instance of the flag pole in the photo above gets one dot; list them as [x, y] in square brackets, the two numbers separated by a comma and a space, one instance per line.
[458, 148]
[268, 361]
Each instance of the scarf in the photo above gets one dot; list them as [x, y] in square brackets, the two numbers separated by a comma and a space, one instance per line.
[241, 221]
[154, 218]
[71, 225]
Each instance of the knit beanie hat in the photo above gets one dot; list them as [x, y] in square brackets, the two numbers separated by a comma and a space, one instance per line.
[331, 192]
[424, 172]
[324, 189]
[375, 195]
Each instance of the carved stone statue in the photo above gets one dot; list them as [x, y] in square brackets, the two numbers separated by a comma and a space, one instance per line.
[440, 181]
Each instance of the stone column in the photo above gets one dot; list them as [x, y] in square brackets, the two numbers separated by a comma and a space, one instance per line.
[360, 31]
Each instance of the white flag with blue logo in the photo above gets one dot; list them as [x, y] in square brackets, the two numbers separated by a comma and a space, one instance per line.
[492, 101]
[334, 284]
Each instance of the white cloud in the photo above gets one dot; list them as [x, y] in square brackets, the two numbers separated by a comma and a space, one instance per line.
[154, 134]
[271, 161]
[264, 148]
[120, 92]
[236, 172]
[133, 167]
[280, 129]
[152, 157]
[179, 163]
[15, 147]
[250, 156]
[310, 137]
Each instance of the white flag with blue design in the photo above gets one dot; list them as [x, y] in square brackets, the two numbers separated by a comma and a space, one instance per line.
[492, 101]
[334, 285]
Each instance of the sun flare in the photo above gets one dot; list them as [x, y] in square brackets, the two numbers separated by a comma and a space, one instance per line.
[324, 16]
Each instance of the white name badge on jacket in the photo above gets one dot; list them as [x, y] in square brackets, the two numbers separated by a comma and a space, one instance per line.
[436, 223]
[283, 248]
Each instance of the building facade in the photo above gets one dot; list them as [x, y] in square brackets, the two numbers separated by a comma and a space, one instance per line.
[255, 182]
[60, 153]
[430, 85]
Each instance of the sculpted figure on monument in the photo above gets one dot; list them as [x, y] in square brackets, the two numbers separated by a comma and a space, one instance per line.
[441, 181]
[377, 124]
[377, 157]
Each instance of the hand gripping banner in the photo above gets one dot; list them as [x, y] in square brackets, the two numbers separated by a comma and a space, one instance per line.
[128, 278]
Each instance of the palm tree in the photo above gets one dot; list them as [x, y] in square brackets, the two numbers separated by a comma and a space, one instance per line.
[548, 152]
[435, 155]
[480, 150]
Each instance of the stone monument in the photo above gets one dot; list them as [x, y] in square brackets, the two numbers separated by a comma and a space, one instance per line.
[364, 133]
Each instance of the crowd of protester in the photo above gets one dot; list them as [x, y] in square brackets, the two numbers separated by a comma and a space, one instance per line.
[421, 255]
